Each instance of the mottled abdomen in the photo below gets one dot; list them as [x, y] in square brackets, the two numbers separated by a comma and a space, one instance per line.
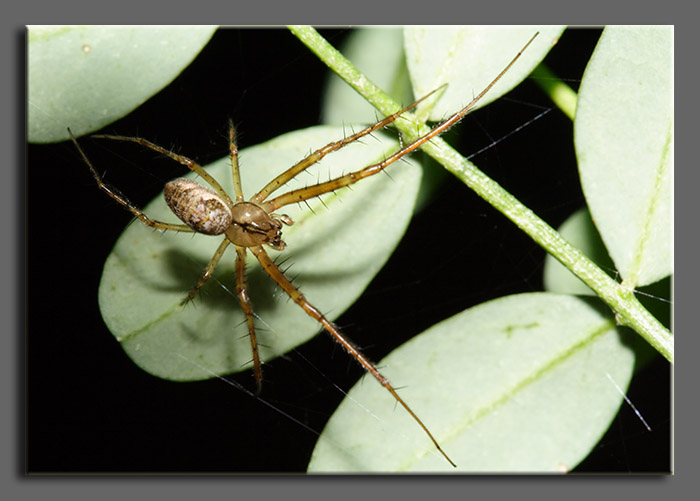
[198, 207]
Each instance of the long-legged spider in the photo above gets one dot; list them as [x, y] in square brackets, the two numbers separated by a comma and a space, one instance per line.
[251, 224]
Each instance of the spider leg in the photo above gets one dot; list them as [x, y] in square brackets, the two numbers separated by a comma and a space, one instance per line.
[315, 190]
[301, 194]
[237, 186]
[159, 225]
[242, 293]
[276, 274]
[208, 270]
[190, 164]
[317, 155]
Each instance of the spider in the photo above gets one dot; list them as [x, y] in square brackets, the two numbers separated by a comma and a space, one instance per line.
[252, 224]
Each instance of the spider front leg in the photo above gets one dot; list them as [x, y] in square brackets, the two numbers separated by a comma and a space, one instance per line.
[319, 154]
[301, 194]
[293, 292]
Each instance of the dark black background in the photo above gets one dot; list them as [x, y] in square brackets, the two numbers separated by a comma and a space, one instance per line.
[90, 409]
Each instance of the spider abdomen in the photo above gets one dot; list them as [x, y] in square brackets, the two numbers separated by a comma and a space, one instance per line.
[198, 207]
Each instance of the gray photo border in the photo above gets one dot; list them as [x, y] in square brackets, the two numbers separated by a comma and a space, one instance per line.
[19, 486]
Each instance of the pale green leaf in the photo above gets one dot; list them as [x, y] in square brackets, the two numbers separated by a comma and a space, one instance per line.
[468, 58]
[85, 77]
[579, 231]
[624, 145]
[519, 384]
[333, 251]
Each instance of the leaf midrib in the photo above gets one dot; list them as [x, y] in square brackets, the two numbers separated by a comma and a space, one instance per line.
[531, 378]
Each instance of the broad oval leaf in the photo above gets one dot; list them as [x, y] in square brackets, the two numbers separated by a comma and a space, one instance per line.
[624, 143]
[85, 77]
[518, 384]
[580, 232]
[468, 58]
[333, 253]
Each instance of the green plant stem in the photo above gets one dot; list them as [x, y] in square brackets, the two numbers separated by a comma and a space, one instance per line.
[561, 94]
[628, 310]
